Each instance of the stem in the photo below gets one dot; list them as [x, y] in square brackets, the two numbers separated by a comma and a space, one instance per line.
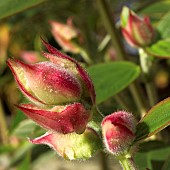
[138, 98]
[3, 125]
[104, 43]
[97, 115]
[127, 163]
[122, 102]
[96, 124]
[146, 64]
[116, 40]
[85, 56]
[111, 29]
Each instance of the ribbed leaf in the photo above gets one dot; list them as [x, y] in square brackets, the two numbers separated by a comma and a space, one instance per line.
[163, 26]
[11, 7]
[110, 78]
[160, 49]
[155, 120]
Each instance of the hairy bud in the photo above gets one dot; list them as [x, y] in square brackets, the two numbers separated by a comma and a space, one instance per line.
[118, 131]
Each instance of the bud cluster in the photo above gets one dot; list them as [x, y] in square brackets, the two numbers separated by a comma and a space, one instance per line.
[63, 98]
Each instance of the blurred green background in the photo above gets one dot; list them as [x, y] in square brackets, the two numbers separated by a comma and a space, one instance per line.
[21, 25]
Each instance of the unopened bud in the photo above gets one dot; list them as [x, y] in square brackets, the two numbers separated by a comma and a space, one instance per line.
[118, 131]
[137, 31]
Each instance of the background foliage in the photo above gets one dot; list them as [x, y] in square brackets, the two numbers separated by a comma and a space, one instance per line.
[23, 22]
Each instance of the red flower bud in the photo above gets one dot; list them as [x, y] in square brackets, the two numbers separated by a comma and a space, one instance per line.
[47, 82]
[137, 31]
[72, 146]
[63, 119]
[66, 61]
[118, 131]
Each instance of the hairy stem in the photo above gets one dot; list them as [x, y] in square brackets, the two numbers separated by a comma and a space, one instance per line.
[127, 163]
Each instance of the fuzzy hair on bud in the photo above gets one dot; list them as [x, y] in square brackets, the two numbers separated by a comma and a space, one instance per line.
[118, 131]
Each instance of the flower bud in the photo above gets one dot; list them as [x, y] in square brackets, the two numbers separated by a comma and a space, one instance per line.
[137, 31]
[72, 146]
[47, 82]
[60, 81]
[63, 34]
[67, 62]
[118, 131]
[61, 90]
[63, 119]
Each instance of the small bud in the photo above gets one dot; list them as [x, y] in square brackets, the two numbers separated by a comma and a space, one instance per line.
[63, 34]
[137, 31]
[63, 119]
[118, 131]
[72, 146]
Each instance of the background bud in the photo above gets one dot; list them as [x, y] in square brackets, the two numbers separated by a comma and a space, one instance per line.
[118, 131]
[63, 34]
[137, 31]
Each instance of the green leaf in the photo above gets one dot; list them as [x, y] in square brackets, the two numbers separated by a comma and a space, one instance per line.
[154, 121]
[21, 152]
[25, 128]
[111, 78]
[149, 158]
[164, 26]
[17, 119]
[25, 164]
[157, 8]
[160, 49]
[11, 7]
